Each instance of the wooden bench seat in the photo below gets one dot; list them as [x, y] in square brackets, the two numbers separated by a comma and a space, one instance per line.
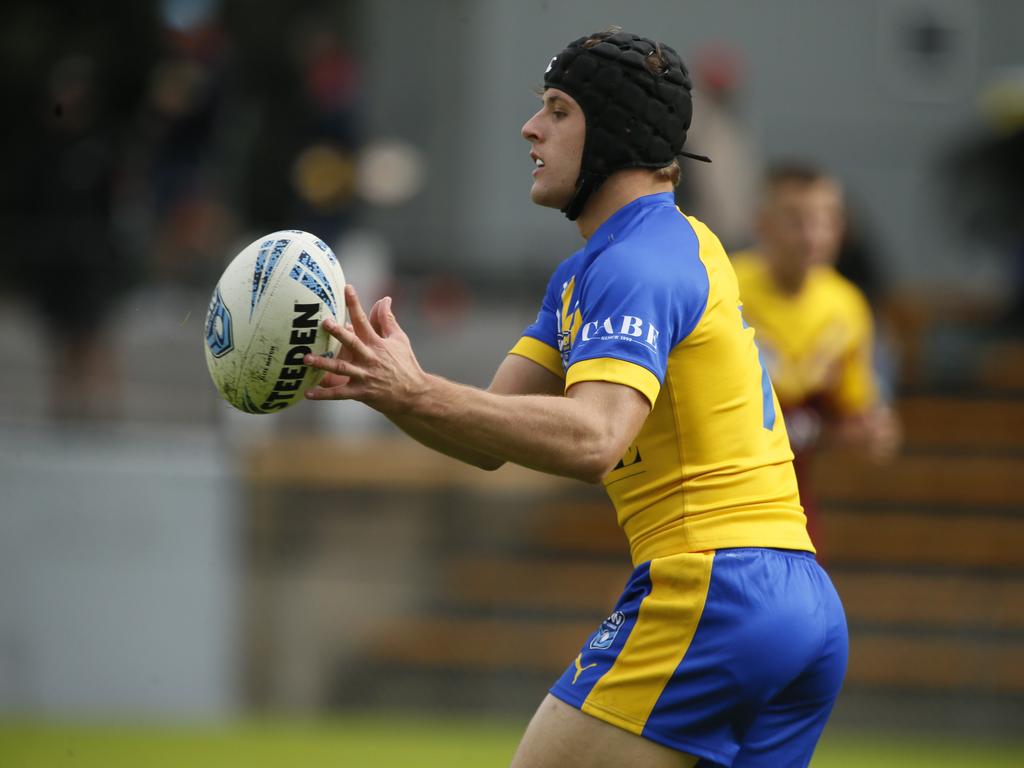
[879, 659]
[534, 585]
[480, 644]
[933, 599]
[921, 479]
[963, 424]
[927, 552]
[937, 663]
[878, 537]
[930, 599]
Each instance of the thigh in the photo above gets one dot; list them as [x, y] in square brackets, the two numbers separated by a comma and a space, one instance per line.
[560, 736]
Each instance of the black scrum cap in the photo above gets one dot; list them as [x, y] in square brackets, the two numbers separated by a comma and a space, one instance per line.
[635, 118]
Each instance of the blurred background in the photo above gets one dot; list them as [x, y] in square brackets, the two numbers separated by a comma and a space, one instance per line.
[169, 564]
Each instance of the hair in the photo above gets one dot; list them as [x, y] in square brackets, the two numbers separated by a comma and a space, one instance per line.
[672, 173]
[657, 65]
[600, 37]
[655, 62]
[793, 172]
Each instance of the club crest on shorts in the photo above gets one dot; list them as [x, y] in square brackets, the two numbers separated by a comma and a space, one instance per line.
[608, 631]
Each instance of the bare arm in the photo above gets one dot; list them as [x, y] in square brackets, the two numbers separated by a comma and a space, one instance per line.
[579, 435]
[515, 376]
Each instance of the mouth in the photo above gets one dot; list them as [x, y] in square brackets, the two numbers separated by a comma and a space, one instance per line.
[537, 162]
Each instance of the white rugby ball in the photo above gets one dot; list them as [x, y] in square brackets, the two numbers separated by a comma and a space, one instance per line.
[265, 315]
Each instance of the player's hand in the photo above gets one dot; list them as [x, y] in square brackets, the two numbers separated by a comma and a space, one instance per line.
[330, 380]
[376, 365]
[885, 434]
[876, 432]
[377, 311]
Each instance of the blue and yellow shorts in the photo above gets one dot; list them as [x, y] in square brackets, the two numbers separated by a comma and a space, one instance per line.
[734, 656]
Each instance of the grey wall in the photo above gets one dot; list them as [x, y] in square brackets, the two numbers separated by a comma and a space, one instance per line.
[828, 80]
[118, 576]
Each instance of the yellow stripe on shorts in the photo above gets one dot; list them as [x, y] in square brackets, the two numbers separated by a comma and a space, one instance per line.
[667, 622]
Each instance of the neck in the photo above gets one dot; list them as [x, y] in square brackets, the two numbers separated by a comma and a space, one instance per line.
[621, 188]
[790, 282]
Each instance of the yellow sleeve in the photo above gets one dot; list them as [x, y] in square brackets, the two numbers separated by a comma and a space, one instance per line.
[540, 353]
[617, 372]
[856, 390]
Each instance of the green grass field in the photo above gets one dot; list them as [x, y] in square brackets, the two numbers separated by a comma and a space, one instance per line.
[389, 742]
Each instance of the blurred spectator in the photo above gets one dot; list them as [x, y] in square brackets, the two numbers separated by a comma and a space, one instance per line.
[984, 183]
[76, 74]
[250, 126]
[722, 194]
[181, 160]
[300, 86]
[814, 327]
[149, 138]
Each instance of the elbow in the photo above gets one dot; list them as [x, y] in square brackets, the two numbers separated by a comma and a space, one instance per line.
[592, 467]
[489, 463]
[597, 454]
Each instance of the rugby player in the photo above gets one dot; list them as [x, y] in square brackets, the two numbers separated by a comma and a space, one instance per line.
[728, 645]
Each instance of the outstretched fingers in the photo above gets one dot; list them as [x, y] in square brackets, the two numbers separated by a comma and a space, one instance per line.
[339, 379]
[374, 359]
[352, 351]
[323, 391]
[360, 322]
[333, 366]
[382, 318]
[353, 347]
[330, 380]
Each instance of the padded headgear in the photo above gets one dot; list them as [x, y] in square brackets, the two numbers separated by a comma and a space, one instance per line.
[634, 117]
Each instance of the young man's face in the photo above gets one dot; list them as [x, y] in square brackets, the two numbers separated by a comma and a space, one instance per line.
[556, 134]
[801, 224]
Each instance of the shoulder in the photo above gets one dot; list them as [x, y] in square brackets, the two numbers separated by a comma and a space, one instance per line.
[847, 304]
[569, 264]
[748, 266]
[663, 248]
[747, 260]
[654, 272]
[843, 292]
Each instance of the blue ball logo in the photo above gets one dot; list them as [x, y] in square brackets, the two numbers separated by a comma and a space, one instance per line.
[218, 326]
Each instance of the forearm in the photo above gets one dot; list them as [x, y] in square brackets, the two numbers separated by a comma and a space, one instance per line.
[437, 440]
[548, 433]
[579, 434]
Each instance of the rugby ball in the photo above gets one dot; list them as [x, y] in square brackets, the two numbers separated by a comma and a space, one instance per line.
[265, 315]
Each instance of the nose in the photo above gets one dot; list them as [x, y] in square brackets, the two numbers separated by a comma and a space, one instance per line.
[530, 129]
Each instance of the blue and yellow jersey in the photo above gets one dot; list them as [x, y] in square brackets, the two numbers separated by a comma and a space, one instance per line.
[652, 302]
[816, 343]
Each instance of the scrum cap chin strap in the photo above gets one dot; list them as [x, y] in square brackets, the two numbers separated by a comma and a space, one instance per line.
[635, 119]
